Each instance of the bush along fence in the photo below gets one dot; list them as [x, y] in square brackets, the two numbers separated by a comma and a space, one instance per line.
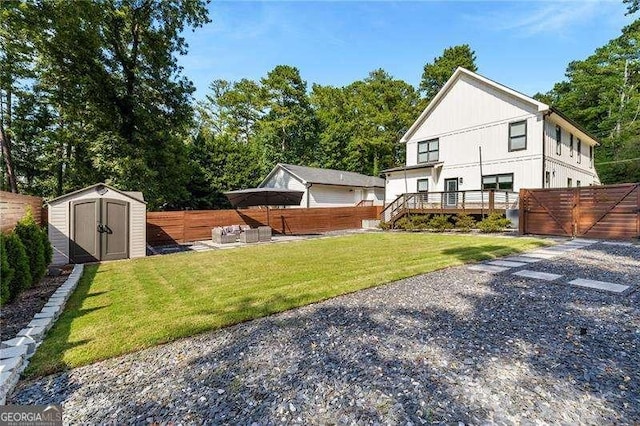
[184, 226]
[25, 254]
[494, 222]
[14, 206]
[15, 353]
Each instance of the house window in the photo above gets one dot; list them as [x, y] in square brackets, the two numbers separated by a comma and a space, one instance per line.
[571, 145]
[591, 157]
[578, 184]
[517, 136]
[502, 182]
[558, 140]
[423, 185]
[428, 151]
[579, 151]
[547, 178]
[569, 182]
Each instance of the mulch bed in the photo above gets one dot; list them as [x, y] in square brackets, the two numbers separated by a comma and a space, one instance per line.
[17, 314]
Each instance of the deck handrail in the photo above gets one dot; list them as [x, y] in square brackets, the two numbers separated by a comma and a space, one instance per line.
[364, 203]
[484, 200]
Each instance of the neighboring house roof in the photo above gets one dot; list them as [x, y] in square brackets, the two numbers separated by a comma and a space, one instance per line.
[136, 195]
[459, 72]
[328, 176]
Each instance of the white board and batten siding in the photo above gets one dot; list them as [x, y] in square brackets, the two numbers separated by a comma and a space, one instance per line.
[472, 112]
[472, 116]
[60, 227]
[569, 164]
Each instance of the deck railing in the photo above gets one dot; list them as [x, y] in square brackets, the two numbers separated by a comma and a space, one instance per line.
[364, 203]
[482, 201]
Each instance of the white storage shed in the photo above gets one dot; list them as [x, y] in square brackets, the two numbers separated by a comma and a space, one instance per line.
[97, 223]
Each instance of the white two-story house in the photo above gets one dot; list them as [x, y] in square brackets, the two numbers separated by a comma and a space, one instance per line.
[478, 134]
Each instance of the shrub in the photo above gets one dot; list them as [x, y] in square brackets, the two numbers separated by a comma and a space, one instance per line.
[420, 221]
[19, 262]
[405, 224]
[30, 234]
[6, 273]
[495, 222]
[385, 226]
[465, 222]
[440, 223]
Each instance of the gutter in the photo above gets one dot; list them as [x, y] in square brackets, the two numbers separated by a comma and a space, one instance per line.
[308, 185]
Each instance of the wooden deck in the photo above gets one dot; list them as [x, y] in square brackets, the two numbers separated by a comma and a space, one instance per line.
[450, 203]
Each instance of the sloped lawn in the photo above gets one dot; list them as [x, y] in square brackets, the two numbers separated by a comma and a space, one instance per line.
[124, 306]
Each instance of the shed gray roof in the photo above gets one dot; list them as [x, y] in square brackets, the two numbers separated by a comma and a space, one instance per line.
[332, 177]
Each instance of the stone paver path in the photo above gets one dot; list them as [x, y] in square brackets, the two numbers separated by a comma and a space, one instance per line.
[566, 251]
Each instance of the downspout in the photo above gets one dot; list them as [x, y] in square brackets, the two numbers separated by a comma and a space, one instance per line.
[544, 154]
[309, 185]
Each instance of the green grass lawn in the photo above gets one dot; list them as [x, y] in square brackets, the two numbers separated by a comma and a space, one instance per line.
[125, 306]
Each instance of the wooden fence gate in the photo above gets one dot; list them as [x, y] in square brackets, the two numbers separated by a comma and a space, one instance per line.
[611, 211]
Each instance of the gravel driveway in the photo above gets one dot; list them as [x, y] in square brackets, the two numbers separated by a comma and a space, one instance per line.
[446, 347]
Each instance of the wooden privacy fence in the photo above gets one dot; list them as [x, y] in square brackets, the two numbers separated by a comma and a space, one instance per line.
[14, 206]
[184, 226]
[611, 211]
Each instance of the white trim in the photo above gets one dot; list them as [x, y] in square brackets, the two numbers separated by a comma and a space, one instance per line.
[95, 185]
[273, 171]
[557, 120]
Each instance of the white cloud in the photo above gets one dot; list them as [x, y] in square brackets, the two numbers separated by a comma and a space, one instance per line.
[531, 18]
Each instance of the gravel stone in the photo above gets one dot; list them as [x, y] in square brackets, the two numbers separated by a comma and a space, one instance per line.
[450, 347]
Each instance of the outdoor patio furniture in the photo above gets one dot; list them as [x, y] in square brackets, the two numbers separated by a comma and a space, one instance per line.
[221, 236]
[264, 233]
[249, 236]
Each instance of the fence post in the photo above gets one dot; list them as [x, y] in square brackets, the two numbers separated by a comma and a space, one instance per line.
[575, 212]
[522, 229]
[638, 213]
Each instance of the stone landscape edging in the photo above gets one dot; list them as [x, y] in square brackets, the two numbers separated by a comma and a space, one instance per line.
[15, 353]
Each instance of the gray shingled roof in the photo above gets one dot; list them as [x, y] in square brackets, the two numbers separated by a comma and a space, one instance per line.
[333, 177]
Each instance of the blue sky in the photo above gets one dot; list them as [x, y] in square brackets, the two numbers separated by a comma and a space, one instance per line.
[523, 44]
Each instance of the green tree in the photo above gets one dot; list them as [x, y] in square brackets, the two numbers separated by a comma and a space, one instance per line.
[29, 233]
[16, 68]
[602, 92]
[119, 108]
[288, 132]
[333, 109]
[19, 262]
[6, 272]
[361, 123]
[219, 164]
[632, 6]
[437, 73]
